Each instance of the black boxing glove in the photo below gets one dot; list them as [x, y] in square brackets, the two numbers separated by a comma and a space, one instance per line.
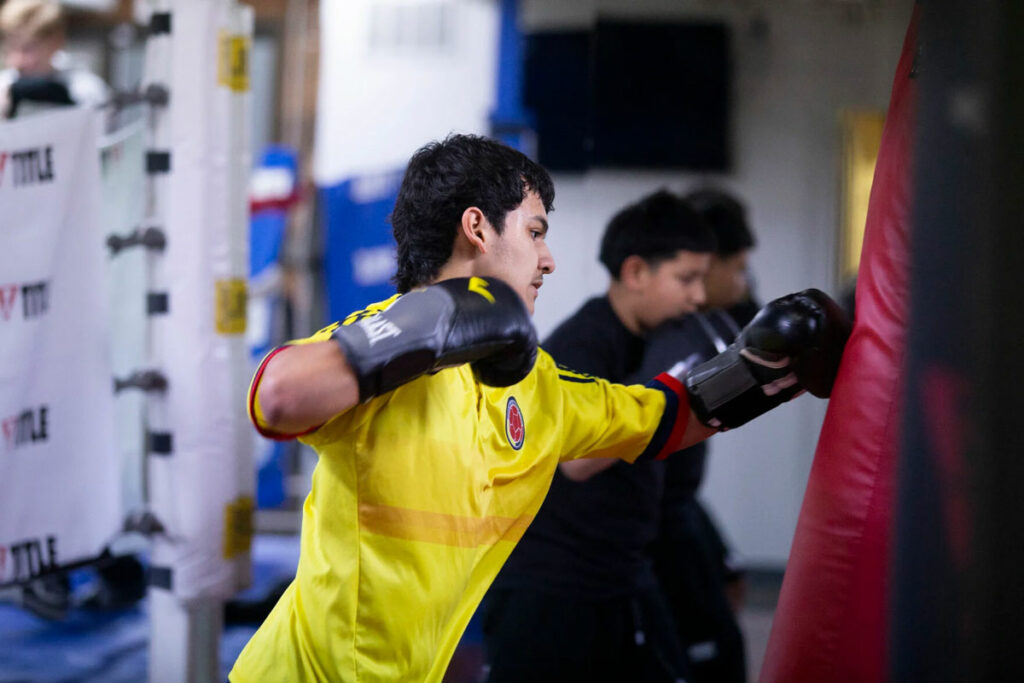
[793, 344]
[462, 320]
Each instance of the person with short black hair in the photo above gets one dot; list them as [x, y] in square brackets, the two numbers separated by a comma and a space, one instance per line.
[728, 279]
[699, 575]
[439, 424]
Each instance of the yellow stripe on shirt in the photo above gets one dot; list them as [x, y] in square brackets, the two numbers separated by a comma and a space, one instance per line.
[444, 529]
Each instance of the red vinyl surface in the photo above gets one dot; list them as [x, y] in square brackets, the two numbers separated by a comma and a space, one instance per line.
[831, 620]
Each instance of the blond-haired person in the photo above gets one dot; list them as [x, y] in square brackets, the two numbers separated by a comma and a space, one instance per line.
[38, 72]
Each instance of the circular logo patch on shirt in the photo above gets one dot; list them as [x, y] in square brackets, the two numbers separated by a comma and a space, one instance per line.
[515, 426]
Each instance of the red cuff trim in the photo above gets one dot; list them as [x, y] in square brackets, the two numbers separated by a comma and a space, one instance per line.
[263, 431]
[682, 415]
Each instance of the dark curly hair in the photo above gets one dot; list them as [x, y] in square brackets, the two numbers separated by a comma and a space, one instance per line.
[444, 179]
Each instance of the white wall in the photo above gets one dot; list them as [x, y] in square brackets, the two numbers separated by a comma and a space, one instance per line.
[395, 74]
[816, 57]
[789, 85]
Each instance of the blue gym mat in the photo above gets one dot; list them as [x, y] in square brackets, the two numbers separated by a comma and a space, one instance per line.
[113, 647]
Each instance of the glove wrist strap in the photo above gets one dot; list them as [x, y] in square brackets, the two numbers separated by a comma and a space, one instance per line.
[725, 394]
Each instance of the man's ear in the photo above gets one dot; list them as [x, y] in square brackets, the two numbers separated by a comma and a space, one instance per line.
[474, 228]
[633, 272]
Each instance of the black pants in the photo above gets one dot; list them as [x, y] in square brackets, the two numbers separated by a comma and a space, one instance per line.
[688, 561]
[535, 637]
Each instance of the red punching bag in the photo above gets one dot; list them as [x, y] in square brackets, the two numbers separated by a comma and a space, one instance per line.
[831, 620]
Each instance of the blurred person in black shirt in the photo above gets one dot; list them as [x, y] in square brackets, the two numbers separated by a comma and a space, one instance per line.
[578, 599]
[699, 576]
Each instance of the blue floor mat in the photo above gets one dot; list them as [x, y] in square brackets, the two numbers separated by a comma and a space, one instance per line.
[111, 647]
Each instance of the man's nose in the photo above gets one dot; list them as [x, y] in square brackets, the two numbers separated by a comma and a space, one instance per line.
[547, 261]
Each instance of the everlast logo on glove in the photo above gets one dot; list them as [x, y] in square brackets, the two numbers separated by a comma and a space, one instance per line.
[377, 328]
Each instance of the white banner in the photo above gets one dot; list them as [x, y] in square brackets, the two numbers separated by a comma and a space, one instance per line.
[59, 481]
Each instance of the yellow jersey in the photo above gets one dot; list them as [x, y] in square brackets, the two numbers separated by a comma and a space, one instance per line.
[417, 500]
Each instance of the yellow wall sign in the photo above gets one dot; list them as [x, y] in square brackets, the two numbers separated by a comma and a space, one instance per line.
[230, 306]
[233, 62]
[861, 138]
[238, 527]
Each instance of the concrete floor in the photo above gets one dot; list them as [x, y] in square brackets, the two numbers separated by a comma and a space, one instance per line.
[756, 624]
[756, 616]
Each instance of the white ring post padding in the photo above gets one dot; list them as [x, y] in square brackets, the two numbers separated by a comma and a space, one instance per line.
[244, 26]
[202, 490]
[199, 344]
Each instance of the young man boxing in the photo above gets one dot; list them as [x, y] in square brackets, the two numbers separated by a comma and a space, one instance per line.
[439, 424]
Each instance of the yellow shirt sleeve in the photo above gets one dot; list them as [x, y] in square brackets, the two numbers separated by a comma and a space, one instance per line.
[601, 419]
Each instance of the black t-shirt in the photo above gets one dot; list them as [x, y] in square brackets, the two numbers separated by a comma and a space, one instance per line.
[694, 339]
[589, 537]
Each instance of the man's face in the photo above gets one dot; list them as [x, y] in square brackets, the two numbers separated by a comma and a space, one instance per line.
[673, 287]
[726, 281]
[30, 55]
[520, 255]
